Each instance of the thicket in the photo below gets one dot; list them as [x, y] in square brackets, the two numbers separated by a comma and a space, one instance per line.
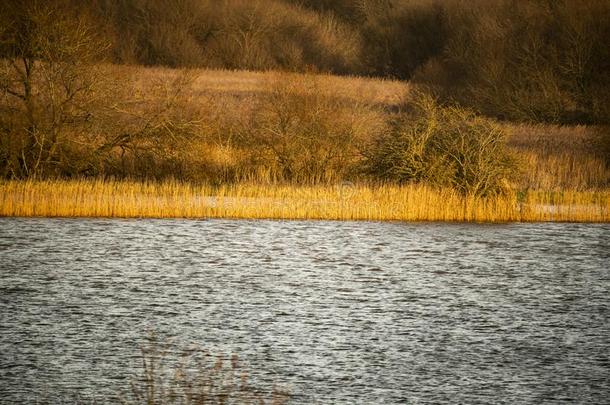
[232, 34]
[445, 147]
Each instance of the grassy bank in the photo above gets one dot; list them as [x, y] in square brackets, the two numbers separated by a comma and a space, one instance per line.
[344, 202]
[275, 145]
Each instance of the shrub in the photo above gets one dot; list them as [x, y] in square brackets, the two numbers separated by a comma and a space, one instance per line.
[303, 134]
[146, 137]
[443, 146]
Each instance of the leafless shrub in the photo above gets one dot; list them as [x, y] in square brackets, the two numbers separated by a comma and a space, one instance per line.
[443, 146]
[147, 136]
[303, 133]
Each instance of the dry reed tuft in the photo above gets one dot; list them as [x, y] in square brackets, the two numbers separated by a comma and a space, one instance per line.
[192, 375]
[85, 198]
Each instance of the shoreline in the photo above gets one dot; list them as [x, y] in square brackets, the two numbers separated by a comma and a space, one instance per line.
[408, 203]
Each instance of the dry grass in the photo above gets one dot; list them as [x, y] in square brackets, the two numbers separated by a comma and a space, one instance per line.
[558, 157]
[347, 202]
[566, 171]
[243, 84]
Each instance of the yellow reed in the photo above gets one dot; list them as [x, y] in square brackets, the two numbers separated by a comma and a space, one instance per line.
[125, 199]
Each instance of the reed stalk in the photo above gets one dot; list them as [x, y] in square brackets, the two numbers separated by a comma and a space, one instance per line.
[170, 199]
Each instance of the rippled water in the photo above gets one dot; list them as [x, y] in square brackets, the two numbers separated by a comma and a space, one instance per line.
[351, 312]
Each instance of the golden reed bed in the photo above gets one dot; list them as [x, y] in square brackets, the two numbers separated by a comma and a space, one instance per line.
[344, 202]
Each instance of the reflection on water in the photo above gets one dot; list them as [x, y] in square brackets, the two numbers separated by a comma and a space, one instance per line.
[334, 311]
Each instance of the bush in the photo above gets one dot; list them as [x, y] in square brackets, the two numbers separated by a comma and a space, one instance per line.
[443, 146]
[146, 137]
[302, 134]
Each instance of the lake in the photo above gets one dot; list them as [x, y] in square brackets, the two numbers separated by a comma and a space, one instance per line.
[333, 312]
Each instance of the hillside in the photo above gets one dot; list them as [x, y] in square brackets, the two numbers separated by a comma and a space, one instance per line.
[527, 61]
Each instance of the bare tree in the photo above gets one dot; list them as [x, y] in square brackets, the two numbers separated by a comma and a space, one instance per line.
[47, 82]
[140, 136]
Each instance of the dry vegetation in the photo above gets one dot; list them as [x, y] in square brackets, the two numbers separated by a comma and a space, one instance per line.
[278, 145]
[192, 375]
[534, 61]
[65, 113]
[519, 60]
[560, 157]
[247, 200]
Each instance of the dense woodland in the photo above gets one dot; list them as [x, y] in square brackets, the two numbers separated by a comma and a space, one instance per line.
[534, 61]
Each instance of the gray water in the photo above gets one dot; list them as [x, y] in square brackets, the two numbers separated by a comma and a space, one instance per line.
[334, 312]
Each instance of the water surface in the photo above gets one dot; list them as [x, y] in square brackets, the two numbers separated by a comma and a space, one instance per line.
[336, 312]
